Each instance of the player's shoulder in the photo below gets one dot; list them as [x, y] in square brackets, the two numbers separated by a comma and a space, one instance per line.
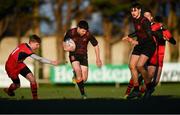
[22, 45]
[144, 20]
[73, 30]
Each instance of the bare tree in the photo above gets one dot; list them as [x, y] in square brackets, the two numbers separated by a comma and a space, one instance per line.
[38, 67]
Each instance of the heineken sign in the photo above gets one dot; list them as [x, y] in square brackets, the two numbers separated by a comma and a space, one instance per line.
[110, 73]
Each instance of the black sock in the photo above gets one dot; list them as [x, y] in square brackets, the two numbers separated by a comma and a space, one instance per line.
[81, 87]
[148, 86]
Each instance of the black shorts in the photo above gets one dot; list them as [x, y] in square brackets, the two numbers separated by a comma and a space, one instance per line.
[23, 72]
[146, 49]
[83, 59]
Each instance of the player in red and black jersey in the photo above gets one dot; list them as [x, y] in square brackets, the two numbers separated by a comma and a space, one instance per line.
[79, 58]
[143, 50]
[15, 65]
[162, 34]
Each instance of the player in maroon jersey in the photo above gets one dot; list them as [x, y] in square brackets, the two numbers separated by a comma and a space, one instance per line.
[161, 35]
[142, 51]
[79, 58]
[15, 65]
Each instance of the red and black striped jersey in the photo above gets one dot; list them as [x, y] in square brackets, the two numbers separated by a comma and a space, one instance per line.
[80, 41]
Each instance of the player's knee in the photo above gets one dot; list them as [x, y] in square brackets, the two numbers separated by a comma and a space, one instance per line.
[151, 74]
[140, 68]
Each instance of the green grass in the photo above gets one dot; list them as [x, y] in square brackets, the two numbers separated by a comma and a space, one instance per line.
[93, 91]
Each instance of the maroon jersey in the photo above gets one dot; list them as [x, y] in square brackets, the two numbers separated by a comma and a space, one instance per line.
[15, 64]
[143, 30]
[80, 41]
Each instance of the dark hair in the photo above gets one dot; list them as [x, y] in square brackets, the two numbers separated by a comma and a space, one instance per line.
[34, 38]
[83, 24]
[158, 19]
[147, 10]
[135, 5]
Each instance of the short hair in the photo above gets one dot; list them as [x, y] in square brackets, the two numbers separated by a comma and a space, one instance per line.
[147, 10]
[34, 38]
[83, 24]
[135, 5]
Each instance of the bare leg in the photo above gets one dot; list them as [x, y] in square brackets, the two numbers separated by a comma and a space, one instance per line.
[151, 73]
[158, 75]
[79, 76]
[84, 73]
[140, 66]
[133, 69]
[33, 85]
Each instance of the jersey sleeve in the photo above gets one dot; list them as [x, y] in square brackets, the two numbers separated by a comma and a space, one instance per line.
[93, 40]
[41, 59]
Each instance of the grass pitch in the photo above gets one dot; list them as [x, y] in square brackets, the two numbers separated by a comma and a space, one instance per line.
[51, 91]
[101, 99]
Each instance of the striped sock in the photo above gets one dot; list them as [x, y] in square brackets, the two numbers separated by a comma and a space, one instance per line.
[34, 90]
[130, 86]
[81, 86]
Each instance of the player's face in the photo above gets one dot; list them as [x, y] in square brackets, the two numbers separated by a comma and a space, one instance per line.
[34, 45]
[81, 31]
[135, 13]
[148, 16]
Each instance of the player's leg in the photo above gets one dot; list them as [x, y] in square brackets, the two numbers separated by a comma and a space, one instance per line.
[149, 85]
[158, 76]
[161, 51]
[129, 87]
[134, 73]
[79, 80]
[13, 73]
[26, 72]
[12, 87]
[84, 77]
[84, 73]
[140, 66]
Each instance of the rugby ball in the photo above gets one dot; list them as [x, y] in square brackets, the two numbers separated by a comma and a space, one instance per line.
[70, 44]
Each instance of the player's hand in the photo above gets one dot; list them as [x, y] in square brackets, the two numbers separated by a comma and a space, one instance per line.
[98, 62]
[125, 38]
[134, 42]
[55, 63]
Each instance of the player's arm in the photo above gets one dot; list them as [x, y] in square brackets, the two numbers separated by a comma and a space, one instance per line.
[168, 36]
[131, 38]
[94, 42]
[43, 60]
[97, 52]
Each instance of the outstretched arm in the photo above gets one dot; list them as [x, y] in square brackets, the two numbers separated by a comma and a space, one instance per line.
[130, 38]
[43, 60]
[97, 52]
